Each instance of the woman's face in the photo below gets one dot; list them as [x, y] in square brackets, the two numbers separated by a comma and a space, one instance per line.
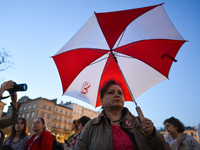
[19, 126]
[113, 97]
[37, 125]
[73, 127]
[171, 129]
[80, 127]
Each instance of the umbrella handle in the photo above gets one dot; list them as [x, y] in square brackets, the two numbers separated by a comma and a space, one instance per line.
[140, 113]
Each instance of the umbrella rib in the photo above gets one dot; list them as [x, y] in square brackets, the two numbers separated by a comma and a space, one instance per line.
[97, 61]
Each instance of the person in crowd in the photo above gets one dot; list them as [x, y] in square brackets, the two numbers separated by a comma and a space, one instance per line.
[82, 122]
[176, 138]
[117, 128]
[18, 137]
[15, 107]
[198, 131]
[72, 137]
[42, 139]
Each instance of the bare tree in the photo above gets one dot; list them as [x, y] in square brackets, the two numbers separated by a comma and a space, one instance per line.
[5, 63]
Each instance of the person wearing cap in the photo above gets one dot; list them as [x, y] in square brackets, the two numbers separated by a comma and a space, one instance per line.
[117, 128]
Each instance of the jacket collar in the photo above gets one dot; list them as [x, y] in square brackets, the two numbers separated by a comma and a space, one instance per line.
[128, 120]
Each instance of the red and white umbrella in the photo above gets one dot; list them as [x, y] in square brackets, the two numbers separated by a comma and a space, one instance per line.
[135, 47]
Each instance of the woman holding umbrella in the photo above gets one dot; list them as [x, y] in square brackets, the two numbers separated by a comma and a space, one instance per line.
[117, 128]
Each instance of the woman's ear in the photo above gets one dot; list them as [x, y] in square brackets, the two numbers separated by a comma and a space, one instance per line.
[101, 101]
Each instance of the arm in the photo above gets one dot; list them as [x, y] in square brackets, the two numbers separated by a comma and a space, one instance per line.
[155, 139]
[194, 143]
[10, 121]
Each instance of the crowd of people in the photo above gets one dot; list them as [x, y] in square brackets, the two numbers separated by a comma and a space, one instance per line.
[115, 128]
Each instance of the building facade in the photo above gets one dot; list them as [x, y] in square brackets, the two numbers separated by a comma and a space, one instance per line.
[1, 109]
[58, 117]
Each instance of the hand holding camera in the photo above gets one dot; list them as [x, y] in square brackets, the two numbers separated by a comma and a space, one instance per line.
[12, 87]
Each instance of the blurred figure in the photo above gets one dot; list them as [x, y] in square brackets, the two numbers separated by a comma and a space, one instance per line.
[18, 137]
[72, 137]
[176, 138]
[116, 128]
[10, 121]
[46, 141]
[198, 131]
[82, 122]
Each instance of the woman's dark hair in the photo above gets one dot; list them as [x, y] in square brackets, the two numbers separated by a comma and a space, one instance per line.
[23, 133]
[43, 122]
[75, 122]
[83, 120]
[106, 86]
[176, 123]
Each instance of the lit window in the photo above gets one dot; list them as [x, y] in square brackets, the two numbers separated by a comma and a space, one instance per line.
[27, 115]
[42, 114]
[34, 105]
[32, 115]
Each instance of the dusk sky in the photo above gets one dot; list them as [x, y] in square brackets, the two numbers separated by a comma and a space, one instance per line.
[33, 31]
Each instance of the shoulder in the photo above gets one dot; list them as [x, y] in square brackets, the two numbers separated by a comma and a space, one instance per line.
[46, 133]
[26, 138]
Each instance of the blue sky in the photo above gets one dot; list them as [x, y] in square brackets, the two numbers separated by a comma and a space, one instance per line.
[33, 31]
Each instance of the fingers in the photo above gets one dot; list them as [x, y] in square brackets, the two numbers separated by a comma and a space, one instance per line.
[7, 85]
[147, 126]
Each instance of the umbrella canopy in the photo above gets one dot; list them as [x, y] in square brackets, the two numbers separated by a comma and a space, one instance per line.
[135, 47]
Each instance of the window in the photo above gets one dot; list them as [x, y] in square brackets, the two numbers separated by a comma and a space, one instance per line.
[64, 127]
[34, 105]
[20, 109]
[48, 116]
[29, 107]
[60, 110]
[65, 120]
[44, 106]
[24, 107]
[22, 115]
[59, 126]
[42, 114]
[54, 125]
[50, 108]
[32, 115]
[60, 119]
[65, 112]
[27, 115]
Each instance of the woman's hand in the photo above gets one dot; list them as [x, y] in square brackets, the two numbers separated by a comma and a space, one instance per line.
[180, 138]
[148, 127]
[6, 86]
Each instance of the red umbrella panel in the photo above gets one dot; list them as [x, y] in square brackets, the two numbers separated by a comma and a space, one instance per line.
[135, 47]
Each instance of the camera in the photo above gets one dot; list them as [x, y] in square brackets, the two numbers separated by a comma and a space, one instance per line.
[18, 87]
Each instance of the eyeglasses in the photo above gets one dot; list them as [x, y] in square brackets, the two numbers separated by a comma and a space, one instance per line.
[167, 125]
